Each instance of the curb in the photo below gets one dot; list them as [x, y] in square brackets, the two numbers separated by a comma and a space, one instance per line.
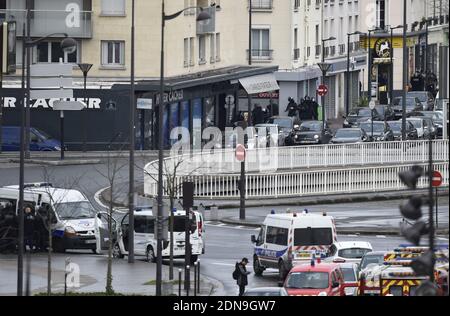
[348, 231]
[58, 162]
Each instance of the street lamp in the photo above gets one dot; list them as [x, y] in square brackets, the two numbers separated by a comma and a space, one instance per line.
[369, 62]
[347, 103]
[391, 77]
[84, 69]
[324, 67]
[405, 68]
[68, 45]
[202, 16]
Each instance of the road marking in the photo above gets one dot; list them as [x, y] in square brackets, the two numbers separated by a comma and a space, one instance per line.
[223, 264]
[352, 236]
[222, 225]
[380, 236]
[97, 198]
[443, 239]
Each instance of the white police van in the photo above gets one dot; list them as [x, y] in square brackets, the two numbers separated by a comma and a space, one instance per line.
[145, 241]
[72, 217]
[290, 238]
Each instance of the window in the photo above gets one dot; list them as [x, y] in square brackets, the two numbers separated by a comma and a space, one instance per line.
[113, 53]
[212, 48]
[144, 225]
[296, 4]
[277, 236]
[201, 49]
[381, 14]
[313, 236]
[189, 51]
[218, 47]
[51, 52]
[261, 44]
[113, 7]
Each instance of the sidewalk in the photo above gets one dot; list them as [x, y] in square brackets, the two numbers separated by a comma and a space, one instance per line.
[137, 278]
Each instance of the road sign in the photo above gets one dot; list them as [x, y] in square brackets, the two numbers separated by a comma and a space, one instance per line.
[322, 90]
[437, 179]
[144, 104]
[372, 104]
[51, 70]
[68, 105]
[51, 94]
[240, 152]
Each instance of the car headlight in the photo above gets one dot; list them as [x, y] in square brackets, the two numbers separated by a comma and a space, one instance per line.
[296, 136]
[346, 122]
[70, 230]
[323, 294]
[57, 148]
[316, 136]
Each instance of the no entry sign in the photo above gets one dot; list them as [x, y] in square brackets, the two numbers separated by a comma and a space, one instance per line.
[240, 152]
[322, 90]
[437, 179]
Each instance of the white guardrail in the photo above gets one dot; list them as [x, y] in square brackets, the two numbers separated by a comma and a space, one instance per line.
[298, 171]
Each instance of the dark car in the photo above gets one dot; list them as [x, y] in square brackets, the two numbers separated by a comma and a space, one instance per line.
[425, 97]
[266, 291]
[386, 111]
[285, 123]
[412, 105]
[350, 136]
[396, 127]
[309, 133]
[39, 140]
[359, 115]
[381, 131]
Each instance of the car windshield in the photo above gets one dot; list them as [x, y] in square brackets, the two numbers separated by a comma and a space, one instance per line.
[349, 274]
[380, 110]
[377, 128]
[43, 135]
[281, 122]
[395, 126]
[410, 102]
[75, 210]
[346, 133]
[371, 259]
[308, 280]
[313, 236]
[353, 253]
[360, 112]
[311, 127]
[417, 123]
[423, 97]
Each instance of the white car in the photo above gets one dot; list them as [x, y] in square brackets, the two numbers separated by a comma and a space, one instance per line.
[350, 273]
[348, 251]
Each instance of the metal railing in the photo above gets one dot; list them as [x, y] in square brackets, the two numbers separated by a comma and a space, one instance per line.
[262, 4]
[261, 54]
[266, 163]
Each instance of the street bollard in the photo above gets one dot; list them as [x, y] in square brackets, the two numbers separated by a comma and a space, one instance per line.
[179, 281]
[198, 275]
[195, 278]
[188, 282]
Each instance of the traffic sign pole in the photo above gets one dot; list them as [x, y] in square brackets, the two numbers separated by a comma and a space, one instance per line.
[436, 183]
[240, 156]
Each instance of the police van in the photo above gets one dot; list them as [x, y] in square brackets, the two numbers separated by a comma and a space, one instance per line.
[291, 238]
[72, 215]
[145, 239]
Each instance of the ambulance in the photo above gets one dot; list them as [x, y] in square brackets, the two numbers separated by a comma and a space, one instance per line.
[288, 239]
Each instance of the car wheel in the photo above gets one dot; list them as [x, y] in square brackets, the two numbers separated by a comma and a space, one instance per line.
[194, 259]
[116, 252]
[257, 268]
[150, 254]
[282, 272]
[58, 246]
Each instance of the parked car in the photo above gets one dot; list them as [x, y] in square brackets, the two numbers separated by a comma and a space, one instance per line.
[350, 136]
[310, 133]
[370, 259]
[437, 118]
[315, 279]
[358, 115]
[266, 291]
[350, 273]
[381, 131]
[272, 136]
[386, 111]
[412, 105]
[396, 127]
[424, 126]
[425, 97]
[39, 140]
[285, 123]
[348, 251]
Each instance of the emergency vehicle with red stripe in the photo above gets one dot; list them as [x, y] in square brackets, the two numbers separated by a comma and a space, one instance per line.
[288, 239]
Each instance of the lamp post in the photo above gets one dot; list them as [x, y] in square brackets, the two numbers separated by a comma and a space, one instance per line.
[405, 69]
[391, 77]
[249, 97]
[369, 62]
[68, 45]
[324, 72]
[347, 103]
[202, 16]
[84, 69]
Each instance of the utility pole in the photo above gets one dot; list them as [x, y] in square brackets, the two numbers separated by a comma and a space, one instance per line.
[405, 69]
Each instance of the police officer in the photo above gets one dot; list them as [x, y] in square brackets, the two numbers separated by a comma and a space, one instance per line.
[291, 108]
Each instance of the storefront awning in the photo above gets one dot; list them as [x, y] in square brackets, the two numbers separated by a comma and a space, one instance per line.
[260, 83]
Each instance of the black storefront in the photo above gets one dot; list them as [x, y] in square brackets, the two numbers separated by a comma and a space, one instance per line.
[194, 101]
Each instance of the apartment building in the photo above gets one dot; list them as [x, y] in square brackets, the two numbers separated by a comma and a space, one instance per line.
[314, 22]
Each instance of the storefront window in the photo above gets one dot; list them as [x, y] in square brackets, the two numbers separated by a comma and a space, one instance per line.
[197, 115]
[184, 113]
[174, 120]
[166, 127]
[210, 119]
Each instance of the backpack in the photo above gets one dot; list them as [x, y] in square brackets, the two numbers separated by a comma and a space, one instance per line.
[236, 272]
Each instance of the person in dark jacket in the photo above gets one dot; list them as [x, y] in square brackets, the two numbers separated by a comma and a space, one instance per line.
[242, 280]
[291, 107]
[29, 228]
[257, 115]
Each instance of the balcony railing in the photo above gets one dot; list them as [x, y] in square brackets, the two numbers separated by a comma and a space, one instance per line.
[262, 4]
[44, 22]
[342, 49]
[261, 54]
[296, 53]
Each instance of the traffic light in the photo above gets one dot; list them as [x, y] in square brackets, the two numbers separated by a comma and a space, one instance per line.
[424, 263]
[412, 208]
[414, 233]
[427, 288]
[411, 177]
